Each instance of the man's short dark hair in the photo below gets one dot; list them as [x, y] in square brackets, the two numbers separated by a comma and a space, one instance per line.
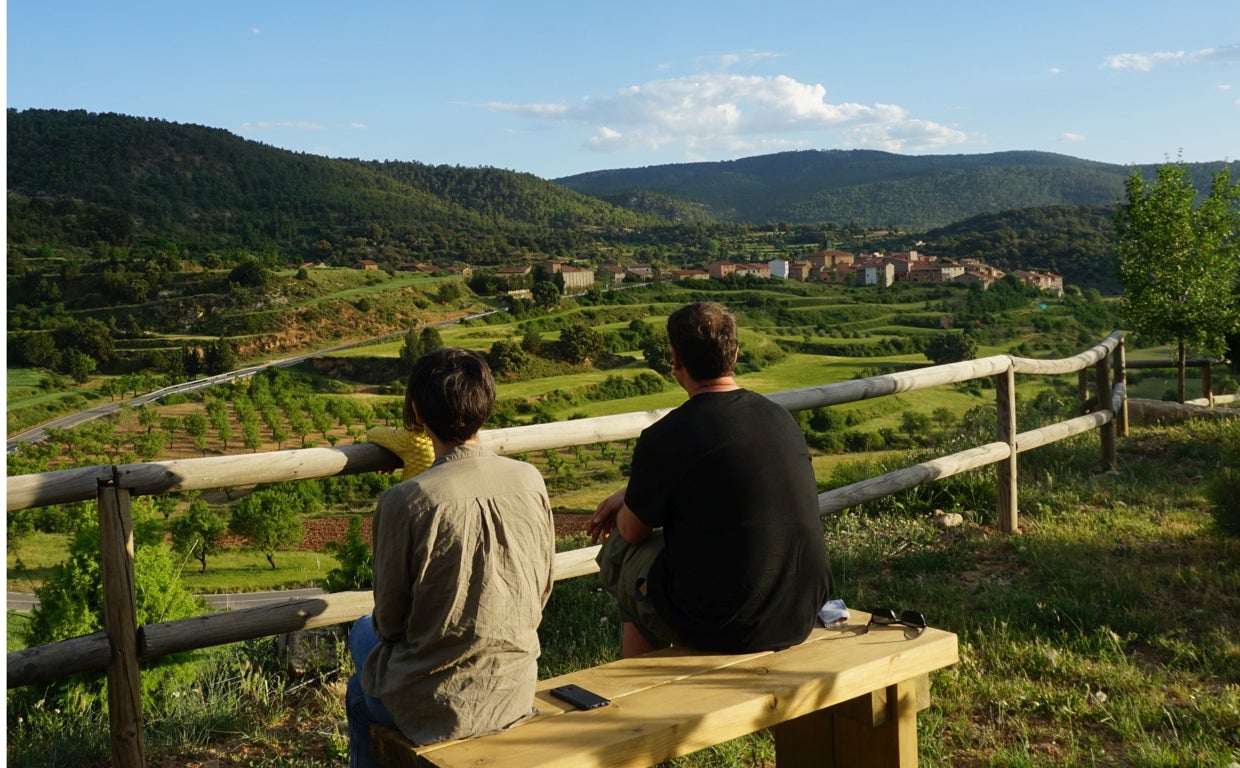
[454, 392]
[705, 339]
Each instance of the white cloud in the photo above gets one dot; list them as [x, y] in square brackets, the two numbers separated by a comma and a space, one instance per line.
[266, 125]
[724, 113]
[1055, 71]
[296, 125]
[1223, 87]
[1144, 62]
[729, 60]
[528, 110]
[1225, 53]
[255, 31]
[1071, 137]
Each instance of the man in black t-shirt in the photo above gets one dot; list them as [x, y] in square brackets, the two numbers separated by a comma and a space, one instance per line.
[719, 546]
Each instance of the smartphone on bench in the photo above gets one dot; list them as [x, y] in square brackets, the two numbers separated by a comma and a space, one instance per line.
[579, 697]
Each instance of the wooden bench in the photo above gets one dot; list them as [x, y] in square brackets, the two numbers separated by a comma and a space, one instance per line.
[843, 697]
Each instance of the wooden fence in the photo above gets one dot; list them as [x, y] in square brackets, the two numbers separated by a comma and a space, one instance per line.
[122, 645]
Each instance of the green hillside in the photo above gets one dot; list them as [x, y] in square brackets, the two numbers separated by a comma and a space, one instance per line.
[77, 177]
[871, 188]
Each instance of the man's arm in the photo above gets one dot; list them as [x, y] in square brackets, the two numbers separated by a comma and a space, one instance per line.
[613, 514]
[631, 528]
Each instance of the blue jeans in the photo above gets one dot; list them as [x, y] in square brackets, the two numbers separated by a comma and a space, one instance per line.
[361, 708]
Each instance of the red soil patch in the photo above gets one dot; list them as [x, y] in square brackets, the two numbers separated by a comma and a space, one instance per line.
[321, 530]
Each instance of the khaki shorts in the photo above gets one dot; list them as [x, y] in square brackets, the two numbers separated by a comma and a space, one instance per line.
[623, 569]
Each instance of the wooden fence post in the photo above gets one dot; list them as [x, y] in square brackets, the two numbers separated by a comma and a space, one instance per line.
[1102, 371]
[1121, 377]
[1207, 389]
[120, 623]
[1005, 471]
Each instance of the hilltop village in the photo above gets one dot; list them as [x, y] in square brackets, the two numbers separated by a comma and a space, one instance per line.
[825, 266]
[877, 269]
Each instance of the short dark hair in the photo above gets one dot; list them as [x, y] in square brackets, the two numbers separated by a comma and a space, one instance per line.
[454, 392]
[705, 339]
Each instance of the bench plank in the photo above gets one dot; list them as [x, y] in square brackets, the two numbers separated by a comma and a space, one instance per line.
[672, 703]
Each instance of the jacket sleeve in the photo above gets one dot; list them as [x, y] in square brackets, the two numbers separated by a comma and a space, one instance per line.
[392, 567]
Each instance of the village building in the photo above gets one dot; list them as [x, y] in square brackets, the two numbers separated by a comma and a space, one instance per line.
[830, 259]
[690, 274]
[799, 271]
[900, 266]
[610, 274]
[868, 270]
[975, 277]
[1043, 281]
[576, 279]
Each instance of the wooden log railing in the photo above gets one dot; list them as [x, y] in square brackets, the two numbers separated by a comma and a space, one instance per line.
[121, 646]
[1203, 365]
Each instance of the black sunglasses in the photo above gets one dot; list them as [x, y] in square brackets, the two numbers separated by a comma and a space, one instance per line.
[885, 617]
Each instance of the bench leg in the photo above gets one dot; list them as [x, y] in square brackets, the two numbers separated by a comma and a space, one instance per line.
[854, 734]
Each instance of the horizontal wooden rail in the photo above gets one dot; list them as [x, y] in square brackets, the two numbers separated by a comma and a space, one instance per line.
[44, 663]
[1217, 400]
[1086, 359]
[1202, 363]
[890, 384]
[81, 484]
[873, 488]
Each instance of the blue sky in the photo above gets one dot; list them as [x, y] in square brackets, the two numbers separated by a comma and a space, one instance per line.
[557, 88]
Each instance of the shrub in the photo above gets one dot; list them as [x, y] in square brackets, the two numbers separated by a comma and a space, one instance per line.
[1224, 489]
[355, 558]
[71, 605]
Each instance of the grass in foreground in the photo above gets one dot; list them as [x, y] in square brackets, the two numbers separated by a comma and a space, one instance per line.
[1106, 633]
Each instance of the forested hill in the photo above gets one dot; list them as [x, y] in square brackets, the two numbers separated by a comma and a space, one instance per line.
[80, 177]
[871, 188]
[1077, 242]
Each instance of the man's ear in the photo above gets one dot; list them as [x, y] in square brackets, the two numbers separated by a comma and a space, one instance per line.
[676, 364]
[417, 418]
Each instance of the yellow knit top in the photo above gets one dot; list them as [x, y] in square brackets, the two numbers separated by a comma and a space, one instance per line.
[414, 448]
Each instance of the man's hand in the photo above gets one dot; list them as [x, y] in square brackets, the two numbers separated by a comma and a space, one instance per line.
[604, 520]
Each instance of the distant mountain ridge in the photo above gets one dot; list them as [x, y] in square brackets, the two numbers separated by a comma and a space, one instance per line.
[78, 178]
[869, 187]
